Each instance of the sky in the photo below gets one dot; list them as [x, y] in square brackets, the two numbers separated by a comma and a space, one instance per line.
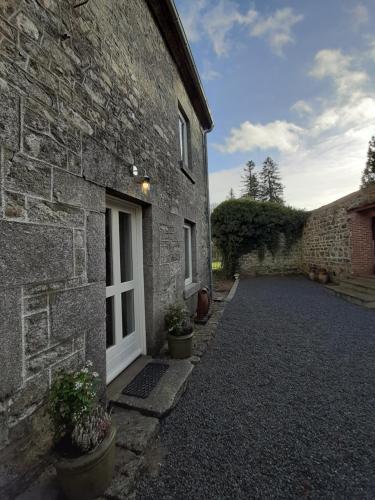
[290, 79]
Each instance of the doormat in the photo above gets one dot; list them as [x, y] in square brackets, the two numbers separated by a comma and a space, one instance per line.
[146, 380]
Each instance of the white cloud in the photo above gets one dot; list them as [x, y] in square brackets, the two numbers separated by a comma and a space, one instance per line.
[324, 160]
[301, 108]
[209, 72]
[277, 28]
[280, 135]
[191, 17]
[220, 20]
[338, 66]
[359, 15]
[216, 21]
[221, 182]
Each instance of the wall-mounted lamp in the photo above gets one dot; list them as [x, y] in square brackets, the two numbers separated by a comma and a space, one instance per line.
[143, 180]
[146, 184]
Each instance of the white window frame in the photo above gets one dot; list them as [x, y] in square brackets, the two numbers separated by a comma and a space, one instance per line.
[183, 128]
[189, 279]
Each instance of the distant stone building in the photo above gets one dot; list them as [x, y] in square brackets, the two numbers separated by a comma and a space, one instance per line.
[338, 237]
[90, 258]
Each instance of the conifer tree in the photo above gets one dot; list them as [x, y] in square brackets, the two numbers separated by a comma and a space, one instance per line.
[368, 176]
[250, 182]
[231, 195]
[271, 188]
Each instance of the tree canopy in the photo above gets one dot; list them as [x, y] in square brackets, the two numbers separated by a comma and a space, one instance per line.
[270, 180]
[243, 225]
[368, 176]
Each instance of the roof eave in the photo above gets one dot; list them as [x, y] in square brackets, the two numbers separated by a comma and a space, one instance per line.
[170, 25]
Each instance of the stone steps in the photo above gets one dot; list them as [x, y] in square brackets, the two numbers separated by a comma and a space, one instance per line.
[360, 284]
[353, 292]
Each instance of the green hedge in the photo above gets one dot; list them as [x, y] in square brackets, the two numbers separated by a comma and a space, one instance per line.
[242, 226]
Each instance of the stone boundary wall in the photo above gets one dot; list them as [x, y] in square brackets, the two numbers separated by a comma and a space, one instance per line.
[285, 261]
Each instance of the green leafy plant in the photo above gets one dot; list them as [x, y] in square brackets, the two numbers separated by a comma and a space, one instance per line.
[74, 410]
[177, 320]
[244, 225]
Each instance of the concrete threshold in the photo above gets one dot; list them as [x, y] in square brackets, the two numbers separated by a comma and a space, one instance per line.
[164, 397]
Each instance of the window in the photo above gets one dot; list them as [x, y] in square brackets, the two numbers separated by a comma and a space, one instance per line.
[188, 255]
[183, 128]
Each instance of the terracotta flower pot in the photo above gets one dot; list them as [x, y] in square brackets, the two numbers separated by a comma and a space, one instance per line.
[180, 347]
[88, 476]
[323, 278]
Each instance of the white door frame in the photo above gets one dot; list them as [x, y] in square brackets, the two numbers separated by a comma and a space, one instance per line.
[126, 350]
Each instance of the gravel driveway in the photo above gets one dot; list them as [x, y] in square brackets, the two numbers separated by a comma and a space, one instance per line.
[282, 404]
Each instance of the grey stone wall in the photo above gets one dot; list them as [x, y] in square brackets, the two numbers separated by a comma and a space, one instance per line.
[75, 113]
[284, 261]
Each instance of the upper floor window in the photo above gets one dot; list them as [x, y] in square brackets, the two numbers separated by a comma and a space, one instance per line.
[183, 128]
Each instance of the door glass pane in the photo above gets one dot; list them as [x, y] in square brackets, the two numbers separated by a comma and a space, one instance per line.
[109, 322]
[187, 252]
[126, 260]
[128, 326]
[108, 247]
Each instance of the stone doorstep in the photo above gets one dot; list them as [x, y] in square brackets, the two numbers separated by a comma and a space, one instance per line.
[166, 394]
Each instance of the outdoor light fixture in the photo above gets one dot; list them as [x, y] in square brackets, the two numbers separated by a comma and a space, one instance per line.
[145, 184]
[143, 180]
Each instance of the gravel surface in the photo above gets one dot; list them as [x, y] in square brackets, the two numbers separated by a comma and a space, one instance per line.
[281, 405]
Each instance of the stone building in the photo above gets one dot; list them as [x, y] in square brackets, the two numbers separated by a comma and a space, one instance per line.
[92, 254]
[339, 237]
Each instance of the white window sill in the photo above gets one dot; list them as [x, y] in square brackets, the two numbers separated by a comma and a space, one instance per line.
[191, 289]
[186, 170]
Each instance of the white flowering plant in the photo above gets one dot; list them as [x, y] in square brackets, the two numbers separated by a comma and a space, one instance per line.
[73, 399]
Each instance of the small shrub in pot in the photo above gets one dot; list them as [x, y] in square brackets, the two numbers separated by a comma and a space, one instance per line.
[84, 435]
[180, 332]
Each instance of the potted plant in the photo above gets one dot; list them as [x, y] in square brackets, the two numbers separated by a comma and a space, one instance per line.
[180, 332]
[313, 273]
[84, 435]
[323, 276]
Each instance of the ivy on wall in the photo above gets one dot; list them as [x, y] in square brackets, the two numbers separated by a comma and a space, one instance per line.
[243, 225]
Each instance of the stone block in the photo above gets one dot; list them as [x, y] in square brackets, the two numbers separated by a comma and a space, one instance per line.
[128, 467]
[9, 116]
[15, 206]
[11, 341]
[95, 230]
[79, 261]
[27, 399]
[27, 85]
[77, 311]
[47, 358]
[94, 157]
[76, 191]
[27, 176]
[35, 303]
[135, 431]
[74, 163]
[36, 332]
[79, 238]
[34, 254]
[44, 148]
[72, 363]
[46, 212]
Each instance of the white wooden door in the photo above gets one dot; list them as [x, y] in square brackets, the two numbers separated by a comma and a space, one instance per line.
[125, 320]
